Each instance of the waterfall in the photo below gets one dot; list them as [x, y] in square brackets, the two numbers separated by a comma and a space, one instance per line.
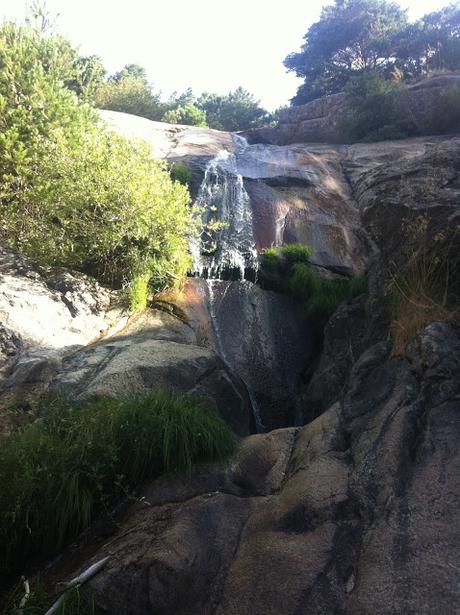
[258, 334]
[226, 247]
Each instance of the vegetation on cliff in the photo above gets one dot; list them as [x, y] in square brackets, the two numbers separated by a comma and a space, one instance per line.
[288, 269]
[72, 193]
[355, 37]
[79, 459]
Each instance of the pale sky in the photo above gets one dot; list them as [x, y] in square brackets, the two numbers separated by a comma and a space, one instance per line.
[203, 44]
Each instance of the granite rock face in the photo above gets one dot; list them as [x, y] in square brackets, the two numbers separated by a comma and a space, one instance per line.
[44, 313]
[355, 513]
[155, 352]
[319, 120]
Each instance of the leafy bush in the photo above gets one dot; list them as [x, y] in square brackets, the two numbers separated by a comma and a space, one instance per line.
[80, 458]
[71, 192]
[238, 110]
[139, 291]
[274, 259]
[288, 269]
[376, 110]
[181, 173]
[296, 253]
[187, 114]
[129, 94]
[446, 116]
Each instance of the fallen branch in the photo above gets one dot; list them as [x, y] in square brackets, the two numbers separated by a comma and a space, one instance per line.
[26, 596]
[77, 582]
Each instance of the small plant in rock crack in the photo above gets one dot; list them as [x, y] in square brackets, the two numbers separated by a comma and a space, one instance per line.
[425, 287]
[289, 270]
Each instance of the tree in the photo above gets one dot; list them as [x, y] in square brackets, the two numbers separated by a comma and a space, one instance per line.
[351, 36]
[89, 76]
[236, 111]
[131, 70]
[187, 114]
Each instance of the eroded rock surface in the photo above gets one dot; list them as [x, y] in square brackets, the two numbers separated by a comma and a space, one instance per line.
[355, 513]
[156, 352]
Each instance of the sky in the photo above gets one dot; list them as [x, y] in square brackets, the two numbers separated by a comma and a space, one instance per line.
[208, 45]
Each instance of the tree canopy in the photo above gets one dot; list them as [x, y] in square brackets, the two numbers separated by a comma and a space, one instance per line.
[237, 110]
[357, 36]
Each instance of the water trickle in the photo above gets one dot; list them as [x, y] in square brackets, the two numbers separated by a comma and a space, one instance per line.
[226, 248]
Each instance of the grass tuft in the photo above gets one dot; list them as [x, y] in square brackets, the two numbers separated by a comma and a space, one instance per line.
[78, 460]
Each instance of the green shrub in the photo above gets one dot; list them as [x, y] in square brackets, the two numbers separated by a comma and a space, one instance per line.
[302, 281]
[289, 270]
[73, 193]
[129, 94]
[296, 253]
[79, 459]
[181, 173]
[376, 110]
[139, 292]
[271, 259]
[276, 259]
[187, 114]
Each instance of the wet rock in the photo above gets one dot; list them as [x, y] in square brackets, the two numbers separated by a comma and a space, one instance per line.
[261, 336]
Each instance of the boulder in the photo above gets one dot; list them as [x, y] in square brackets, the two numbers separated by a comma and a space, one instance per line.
[155, 353]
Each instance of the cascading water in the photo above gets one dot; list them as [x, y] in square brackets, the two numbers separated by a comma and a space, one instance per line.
[226, 248]
[258, 334]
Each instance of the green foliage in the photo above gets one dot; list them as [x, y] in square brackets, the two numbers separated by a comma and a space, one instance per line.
[238, 110]
[139, 292]
[376, 110]
[130, 94]
[275, 259]
[89, 76]
[189, 115]
[271, 260]
[288, 270]
[356, 36]
[80, 458]
[134, 71]
[296, 253]
[71, 192]
[351, 36]
[181, 173]
[446, 117]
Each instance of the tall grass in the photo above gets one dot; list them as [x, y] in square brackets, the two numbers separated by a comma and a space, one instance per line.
[425, 282]
[427, 289]
[58, 473]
